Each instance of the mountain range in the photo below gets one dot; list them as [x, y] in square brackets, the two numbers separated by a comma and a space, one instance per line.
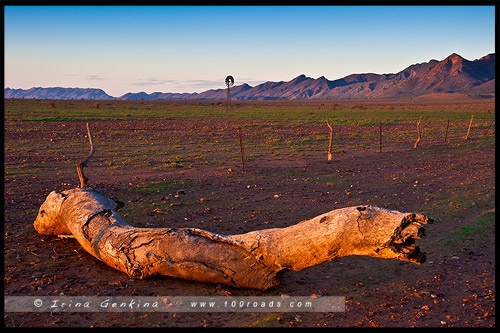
[453, 75]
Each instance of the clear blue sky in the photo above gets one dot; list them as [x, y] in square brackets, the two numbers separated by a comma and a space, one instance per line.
[124, 49]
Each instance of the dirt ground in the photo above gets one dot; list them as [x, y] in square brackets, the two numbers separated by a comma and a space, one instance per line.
[202, 185]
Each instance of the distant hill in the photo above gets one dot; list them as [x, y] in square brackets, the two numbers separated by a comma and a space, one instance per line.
[57, 93]
[453, 75]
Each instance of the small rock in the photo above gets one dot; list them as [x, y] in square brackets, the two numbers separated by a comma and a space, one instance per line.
[455, 257]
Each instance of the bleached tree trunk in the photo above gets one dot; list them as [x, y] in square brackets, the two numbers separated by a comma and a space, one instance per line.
[252, 260]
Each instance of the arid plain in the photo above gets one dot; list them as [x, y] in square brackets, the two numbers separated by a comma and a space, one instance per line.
[179, 164]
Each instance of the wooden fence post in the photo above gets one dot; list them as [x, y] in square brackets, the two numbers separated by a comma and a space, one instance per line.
[331, 138]
[446, 134]
[418, 130]
[380, 136]
[242, 154]
[487, 130]
[470, 124]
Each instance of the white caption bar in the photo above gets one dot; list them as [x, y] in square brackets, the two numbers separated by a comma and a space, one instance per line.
[174, 304]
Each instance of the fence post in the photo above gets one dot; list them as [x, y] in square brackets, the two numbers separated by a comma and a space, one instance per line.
[487, 130]
[380, 136]
[446, 134]
[331, 138]
[470, 124]
[242, 154]
[418, 130]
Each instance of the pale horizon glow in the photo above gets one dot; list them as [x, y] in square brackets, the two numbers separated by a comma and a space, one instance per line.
[186, 49]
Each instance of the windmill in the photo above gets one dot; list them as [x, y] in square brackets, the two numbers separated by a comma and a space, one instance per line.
[229, 83]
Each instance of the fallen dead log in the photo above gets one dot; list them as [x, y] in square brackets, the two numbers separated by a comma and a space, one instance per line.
[255, 259]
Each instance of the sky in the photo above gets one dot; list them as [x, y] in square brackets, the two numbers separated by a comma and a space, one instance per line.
[123, 49]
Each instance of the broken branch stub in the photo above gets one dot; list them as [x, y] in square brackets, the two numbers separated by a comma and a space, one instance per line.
[81, 165]
[255, 259]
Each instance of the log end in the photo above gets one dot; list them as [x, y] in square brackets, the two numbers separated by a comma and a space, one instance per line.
[402, 244]
[49, 220]
[389, 234]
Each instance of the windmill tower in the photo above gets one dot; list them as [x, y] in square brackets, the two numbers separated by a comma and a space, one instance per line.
[229, 83]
